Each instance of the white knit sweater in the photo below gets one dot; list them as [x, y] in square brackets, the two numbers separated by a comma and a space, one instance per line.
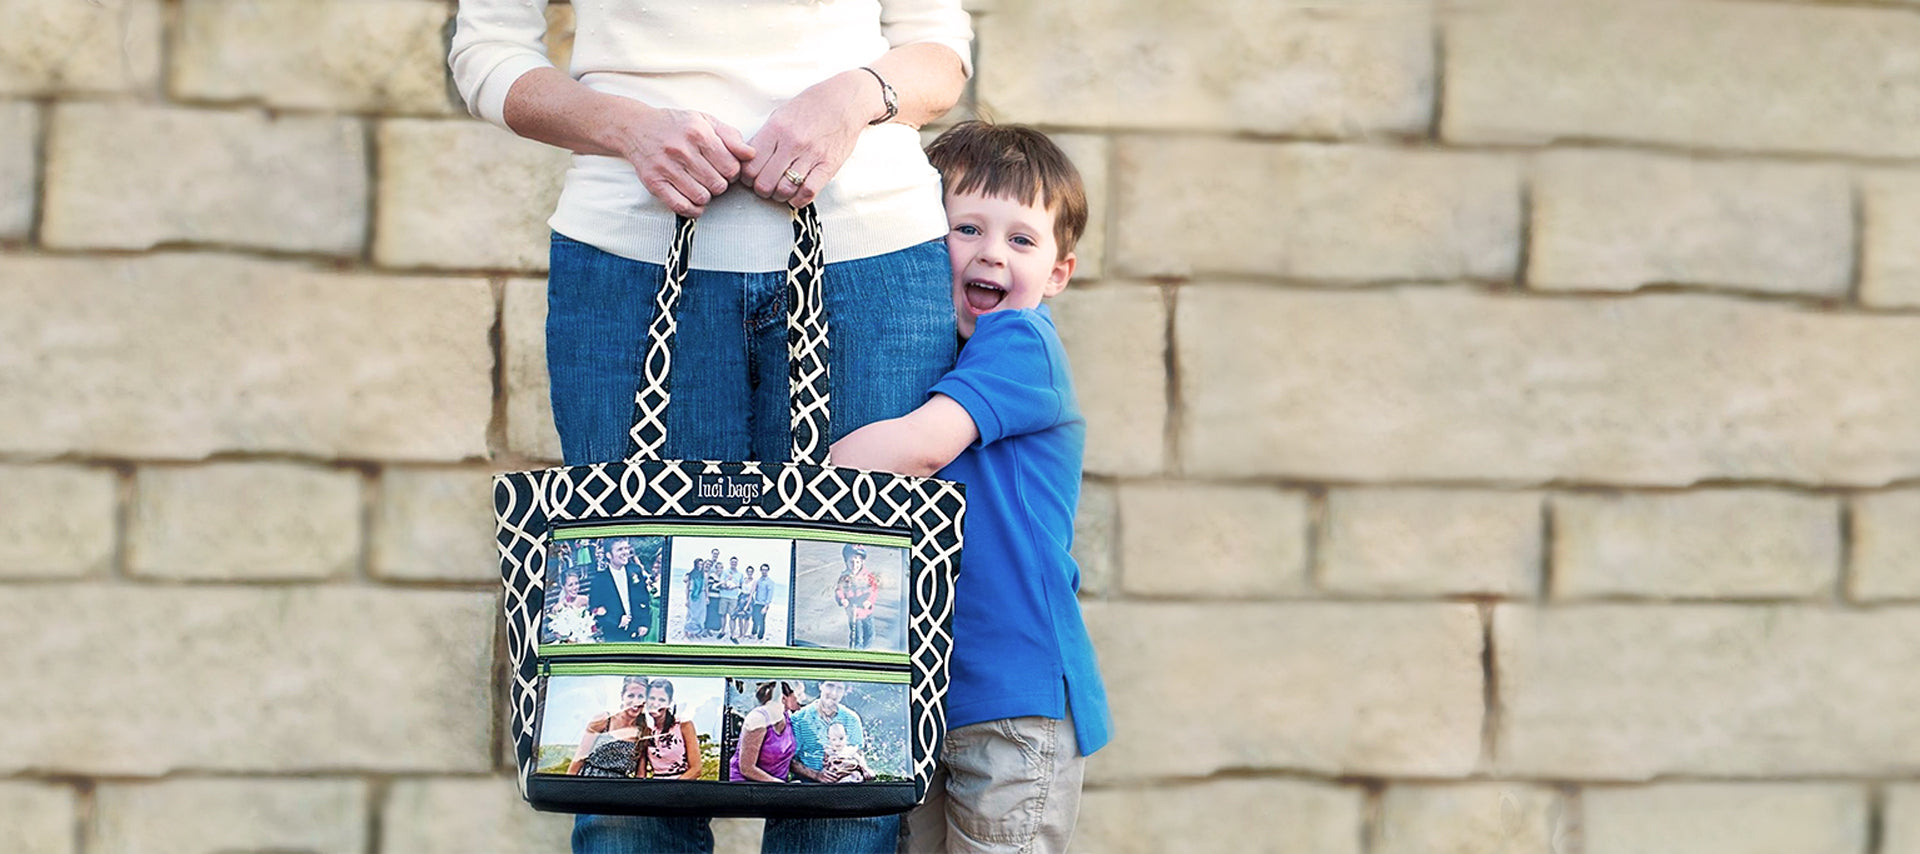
[737, 60]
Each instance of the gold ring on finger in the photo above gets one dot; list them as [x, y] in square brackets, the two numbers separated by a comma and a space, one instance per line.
[796, 177]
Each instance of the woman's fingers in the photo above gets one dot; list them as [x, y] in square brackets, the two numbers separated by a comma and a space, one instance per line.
[786, 187]
[669, 194]
[735, 144]
[806, 193]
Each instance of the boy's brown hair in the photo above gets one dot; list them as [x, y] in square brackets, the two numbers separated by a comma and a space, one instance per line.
[1014, 162]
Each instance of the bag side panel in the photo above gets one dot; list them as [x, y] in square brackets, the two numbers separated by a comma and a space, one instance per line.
[521, 535]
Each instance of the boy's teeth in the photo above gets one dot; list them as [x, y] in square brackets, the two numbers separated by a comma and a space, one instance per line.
[983, 297]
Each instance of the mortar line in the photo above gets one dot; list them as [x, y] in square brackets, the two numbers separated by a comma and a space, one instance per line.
[42, 136]
[1437, 117]
[370, 230]
[125, 495]
[373, 495]
[1857, 252]
[497, 439]
[1372, 807]
[1876, 819]
[1844, 577]
[1318, 514]
[1544, 592]
[1523, 257]
[1170, 429]
[378, 790]
[84, 806]
[1490, 715]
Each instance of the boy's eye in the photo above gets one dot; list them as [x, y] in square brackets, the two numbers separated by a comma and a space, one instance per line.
[967, 229]
[1023, 240]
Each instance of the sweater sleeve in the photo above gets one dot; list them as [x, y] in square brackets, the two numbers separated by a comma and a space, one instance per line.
[941, 22]
[494, 42]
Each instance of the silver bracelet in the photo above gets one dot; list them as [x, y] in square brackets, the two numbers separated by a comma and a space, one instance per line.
[887, 95]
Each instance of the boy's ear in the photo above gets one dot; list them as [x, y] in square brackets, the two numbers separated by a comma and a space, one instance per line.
[1062, 271]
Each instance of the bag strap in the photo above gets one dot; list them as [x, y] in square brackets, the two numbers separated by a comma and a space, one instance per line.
[808, 383]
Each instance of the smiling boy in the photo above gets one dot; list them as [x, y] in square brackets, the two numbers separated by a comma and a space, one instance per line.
[1025, 704]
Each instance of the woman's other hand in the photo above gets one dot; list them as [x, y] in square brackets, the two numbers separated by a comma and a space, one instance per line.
[684, 158]
[811, 137]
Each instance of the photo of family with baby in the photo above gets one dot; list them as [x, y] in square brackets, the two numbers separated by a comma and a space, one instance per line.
[747, 591]
[825, 731]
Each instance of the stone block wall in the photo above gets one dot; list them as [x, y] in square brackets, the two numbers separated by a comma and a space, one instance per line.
[1504, 422]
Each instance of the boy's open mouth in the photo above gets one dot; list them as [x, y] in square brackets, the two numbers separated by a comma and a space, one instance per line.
[984, 296]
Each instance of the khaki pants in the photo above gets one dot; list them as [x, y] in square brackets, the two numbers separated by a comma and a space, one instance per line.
[1007, 786]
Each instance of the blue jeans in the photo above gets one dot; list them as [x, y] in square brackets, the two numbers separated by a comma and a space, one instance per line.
[892, 335]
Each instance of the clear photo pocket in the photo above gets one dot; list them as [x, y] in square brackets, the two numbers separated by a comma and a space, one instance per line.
[709, 661]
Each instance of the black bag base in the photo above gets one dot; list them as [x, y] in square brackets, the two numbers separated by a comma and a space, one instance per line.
[604, 796]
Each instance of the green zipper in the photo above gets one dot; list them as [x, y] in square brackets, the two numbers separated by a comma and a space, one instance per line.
[898, 541]
[583, 668]
[854, 656]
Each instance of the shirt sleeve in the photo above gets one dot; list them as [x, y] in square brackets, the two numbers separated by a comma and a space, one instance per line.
[1005, 380]
[941, 22]
[494, 42]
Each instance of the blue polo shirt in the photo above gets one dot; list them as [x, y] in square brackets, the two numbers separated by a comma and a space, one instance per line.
[1020, 646]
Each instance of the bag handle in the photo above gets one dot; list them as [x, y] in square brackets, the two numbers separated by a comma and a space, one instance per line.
[808, 383]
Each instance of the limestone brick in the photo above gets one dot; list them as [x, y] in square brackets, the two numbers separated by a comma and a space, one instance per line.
[130, 176]
[1339, 213]
[19, 166]
[1901, 817]
[1886, 546]
[1618, 221]
[38, 818]
[1758, 818]
[435, 524]
[247, 679]
[245, 520]
[1212, 542]
[457, 816]
[58, 520]
[1222, 815]
[1402, 542]
[1116, 340]
[523, 321]
[463, 194]
[1471, 818]
[1726, 75]
[1096, 538]
[1336, 689]
[1623, 692]
[193, 816]
[183, 355]
[1442, 383]
[1726, 543]
[79, 48]
[1890, 260]
[1090, 154]
[1324, 71]
[343, 55]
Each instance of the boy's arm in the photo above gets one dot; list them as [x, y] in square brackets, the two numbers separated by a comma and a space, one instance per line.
[918, 443]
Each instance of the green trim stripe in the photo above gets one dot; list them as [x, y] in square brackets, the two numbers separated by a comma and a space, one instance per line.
[898, 541]
[736, 671]
[810, 655]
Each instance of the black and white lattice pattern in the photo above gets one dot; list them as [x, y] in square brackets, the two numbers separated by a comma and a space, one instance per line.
[808, 386]
[647, 439]
[526, 504]
[644, 486]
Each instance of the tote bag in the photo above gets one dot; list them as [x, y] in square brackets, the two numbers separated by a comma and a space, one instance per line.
[659, 612]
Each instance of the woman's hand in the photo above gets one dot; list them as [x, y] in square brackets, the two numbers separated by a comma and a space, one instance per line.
[684, 158]
[811, 137]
